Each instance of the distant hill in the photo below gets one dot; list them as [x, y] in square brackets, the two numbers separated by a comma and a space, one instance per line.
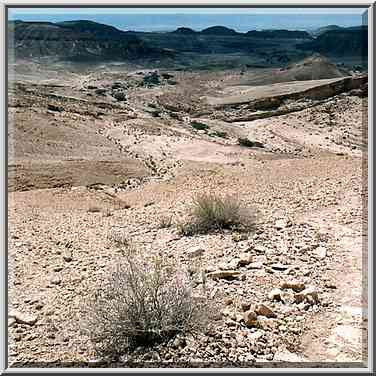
[281, 34]
[340, 42]
[324, 29]
[76, 41]
[218, 30]
[184, 30]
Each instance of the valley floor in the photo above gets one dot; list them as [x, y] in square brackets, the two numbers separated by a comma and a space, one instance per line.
[308, 186]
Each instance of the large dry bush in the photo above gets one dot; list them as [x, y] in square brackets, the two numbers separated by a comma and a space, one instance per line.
[141, 303]
[212, 213]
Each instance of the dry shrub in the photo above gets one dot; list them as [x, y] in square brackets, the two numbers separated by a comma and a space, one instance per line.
[165, 222]
[213, 213]
[141, 303]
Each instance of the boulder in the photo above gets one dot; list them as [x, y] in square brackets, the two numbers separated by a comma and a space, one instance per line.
[263, 310]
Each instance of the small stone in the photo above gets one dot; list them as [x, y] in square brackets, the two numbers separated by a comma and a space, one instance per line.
[229, 301]
[149, 203]
[22, 318]
[280, 267]
[39, 306]
[250, 318]
[225, 274]
[263, 310]
[281, 224]
[330, 284]
[311, 295]
[287, 297]
[58, 268]
[269, 357]
[245, 306]
[299, 298]
[245, 259]
[55, 280]
[67, 257]
[275, 295]
[260, 249]
[295, 285]
[319, 253]
[255, 265]
[267, 324]
[11, 321]
[195, 252]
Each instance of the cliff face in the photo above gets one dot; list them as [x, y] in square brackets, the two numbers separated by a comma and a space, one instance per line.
[75, 41]
[342, 42]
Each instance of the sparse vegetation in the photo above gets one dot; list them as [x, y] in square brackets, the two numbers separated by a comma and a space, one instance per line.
[250, 144]
[142, 303]
[165, 222]
[212, 213]
[199, 126]
[218, 134]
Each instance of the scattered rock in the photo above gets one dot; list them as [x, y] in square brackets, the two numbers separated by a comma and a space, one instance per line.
[295, 285]
[287, 297]
[52, 107]
[250, 318]
[255, 265]
[280, 267]
[68, 257]
[263, 310]
[311, 295]
[245, 306]
[195, 252]
[225, 274]
[299, 298]
[275, 294]
[245, 259]
[23, 318]
[330, 284]
[55, 280]
[281, 224]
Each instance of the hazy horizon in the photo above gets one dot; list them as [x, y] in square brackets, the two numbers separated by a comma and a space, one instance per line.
[198, 19]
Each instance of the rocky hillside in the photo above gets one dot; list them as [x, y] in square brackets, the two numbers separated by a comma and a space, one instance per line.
[341, 42]
[76, 41]
[273, 34]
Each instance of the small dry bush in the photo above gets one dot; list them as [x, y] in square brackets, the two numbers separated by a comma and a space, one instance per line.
[213, 213]
[143, 303]
[250, 144]
[165, 222]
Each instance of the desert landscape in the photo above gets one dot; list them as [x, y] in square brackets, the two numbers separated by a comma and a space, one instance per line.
[113, 138]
